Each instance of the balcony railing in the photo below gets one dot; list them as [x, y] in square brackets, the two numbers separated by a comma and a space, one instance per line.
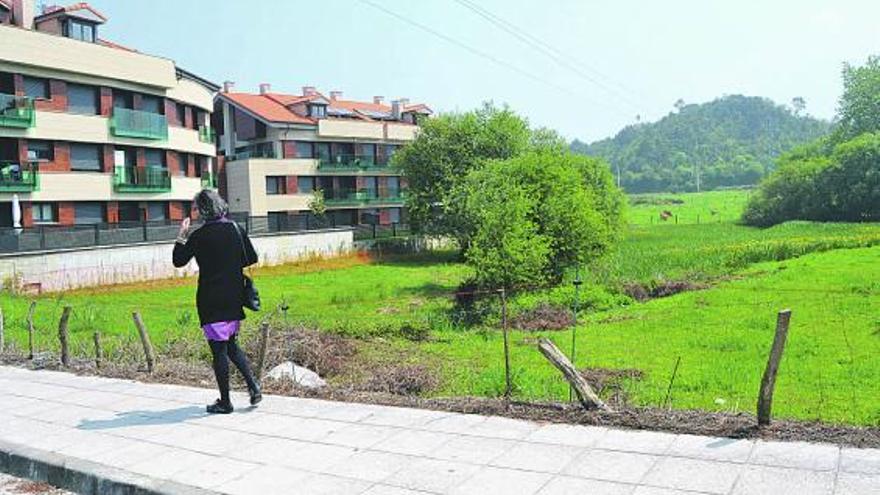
[351, 197]
[19, 177]
[207, 135]
[209, 180]
[138, 124]
[139, 180]
[16, 111]
[246, 154]
[352, 163]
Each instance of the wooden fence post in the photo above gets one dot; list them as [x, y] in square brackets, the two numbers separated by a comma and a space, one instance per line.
[99, 353]
[585, 393]
[768, 381]
[63, 336]
[145, 340]
[30, 323]
[264, 346]
[504, 329]
[2, 338]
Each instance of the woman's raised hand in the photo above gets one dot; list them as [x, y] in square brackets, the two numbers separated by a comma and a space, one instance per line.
[184, 227]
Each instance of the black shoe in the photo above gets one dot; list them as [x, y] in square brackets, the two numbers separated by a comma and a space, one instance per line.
[256, 398]
[220, 407]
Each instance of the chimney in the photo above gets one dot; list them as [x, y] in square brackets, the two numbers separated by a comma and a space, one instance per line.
[308, 90]
[378, 100]
[228, 86]
[396, 109]
[335, 95]
[23, 13]
[265, 88]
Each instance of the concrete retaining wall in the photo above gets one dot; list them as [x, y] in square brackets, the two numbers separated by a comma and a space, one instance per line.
[50, 271]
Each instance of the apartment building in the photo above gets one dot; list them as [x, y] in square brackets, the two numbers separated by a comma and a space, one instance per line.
[92, 132]
[278, 149]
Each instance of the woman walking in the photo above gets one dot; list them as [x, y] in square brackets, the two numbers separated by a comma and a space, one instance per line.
[221, 249]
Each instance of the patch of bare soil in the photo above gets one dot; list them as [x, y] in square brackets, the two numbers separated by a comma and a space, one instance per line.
[543, 317]
[644, 292]
[609, 383]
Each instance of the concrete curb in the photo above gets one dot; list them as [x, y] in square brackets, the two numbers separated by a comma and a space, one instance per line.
[84, 477]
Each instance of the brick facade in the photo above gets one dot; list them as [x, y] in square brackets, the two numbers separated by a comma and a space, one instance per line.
[137, 101]
[66, 213]
[175, 211]
[385, 216]
[288, 149]
[173, 162]
[18, 83]
[188, 118]
[291, 184]
[112, 210]
[27, 214]
[191, 165]
[57, 101]
[171, 112]
[109, 158]
[106, 102]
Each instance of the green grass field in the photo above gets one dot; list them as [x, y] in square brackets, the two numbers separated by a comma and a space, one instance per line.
[826, 273]
[687, 208]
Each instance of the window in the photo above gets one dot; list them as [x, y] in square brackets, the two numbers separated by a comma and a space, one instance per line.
[304, 149]
[77, 30]
[155, 158]
[43, 151]
[82, 99]
[156, 211]
[370, 186]
[181, 114]
[322, 151]
[122, 99]
[276, 185]
[367, 151]
[183, 163]
[85, 157]
[130, 211]
[393, 186]
[151, 104]
[305, 185]
[36, 87]
[394, 215]
[317, 111]
[88, 213]
[44, 213]
[390, 149]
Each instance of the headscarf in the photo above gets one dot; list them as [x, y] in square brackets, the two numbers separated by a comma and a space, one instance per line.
[210, 205]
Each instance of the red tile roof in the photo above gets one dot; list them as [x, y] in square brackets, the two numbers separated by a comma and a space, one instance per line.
[111, 44]
[266, 108]
[54, 9]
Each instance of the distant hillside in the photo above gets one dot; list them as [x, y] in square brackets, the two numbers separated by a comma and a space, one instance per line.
[731, 141]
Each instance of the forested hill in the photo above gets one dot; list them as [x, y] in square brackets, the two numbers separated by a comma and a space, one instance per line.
[731, 141]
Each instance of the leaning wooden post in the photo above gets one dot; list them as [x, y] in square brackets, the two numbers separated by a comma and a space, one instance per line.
[264, 347]
[2, 338]
[504, 330]
[768, 382]
[99, 353]
[63, 336]
[585, 393]
[145, 340]
[30, 323]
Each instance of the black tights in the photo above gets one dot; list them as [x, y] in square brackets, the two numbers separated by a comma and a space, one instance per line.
[220, 351]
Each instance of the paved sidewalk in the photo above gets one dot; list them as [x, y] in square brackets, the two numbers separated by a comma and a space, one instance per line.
[158, 437]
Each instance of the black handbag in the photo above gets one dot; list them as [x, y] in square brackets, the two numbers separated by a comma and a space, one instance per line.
[250, 296]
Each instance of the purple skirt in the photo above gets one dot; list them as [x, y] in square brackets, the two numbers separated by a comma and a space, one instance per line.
[221, 330]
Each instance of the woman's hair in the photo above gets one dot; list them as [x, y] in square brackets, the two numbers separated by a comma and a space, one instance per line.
[210, 205]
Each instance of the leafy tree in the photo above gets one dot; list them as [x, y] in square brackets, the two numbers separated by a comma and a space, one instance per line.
[450, 146]
[859, 106]
[538, 214]
[798, 104]
[317, 206]
[723, 142]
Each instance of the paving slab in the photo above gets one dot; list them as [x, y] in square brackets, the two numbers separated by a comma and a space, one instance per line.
[98, 435]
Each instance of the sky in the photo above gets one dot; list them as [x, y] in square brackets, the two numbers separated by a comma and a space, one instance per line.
[585, 68]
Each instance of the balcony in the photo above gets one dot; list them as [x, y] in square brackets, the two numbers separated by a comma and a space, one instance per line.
[207, 135]
[19, 178]
[138, 124]
[363, 197]
[141, 180]
[16, 111]
[209, 180]
[353, 163]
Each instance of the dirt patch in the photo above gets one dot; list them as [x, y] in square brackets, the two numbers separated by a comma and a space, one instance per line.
[406, 379]
[644, 292]
[609, 383]
[325, 353]
[544, 317]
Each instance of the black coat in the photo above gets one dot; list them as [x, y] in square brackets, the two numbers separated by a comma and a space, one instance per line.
[218, 251]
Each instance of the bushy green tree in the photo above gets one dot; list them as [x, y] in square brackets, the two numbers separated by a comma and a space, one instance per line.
[445, 150]
[859, 107]
[538, 214]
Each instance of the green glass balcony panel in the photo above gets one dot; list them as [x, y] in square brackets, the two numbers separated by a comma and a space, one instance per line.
[352, 163]
[350, 197]
[19, 177]
[209, 180]
[138, 124]
[17, 111]
[140, 179]
[207, 135]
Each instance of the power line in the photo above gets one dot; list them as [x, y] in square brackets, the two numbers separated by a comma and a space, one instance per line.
[478, 52]
[551, 52]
